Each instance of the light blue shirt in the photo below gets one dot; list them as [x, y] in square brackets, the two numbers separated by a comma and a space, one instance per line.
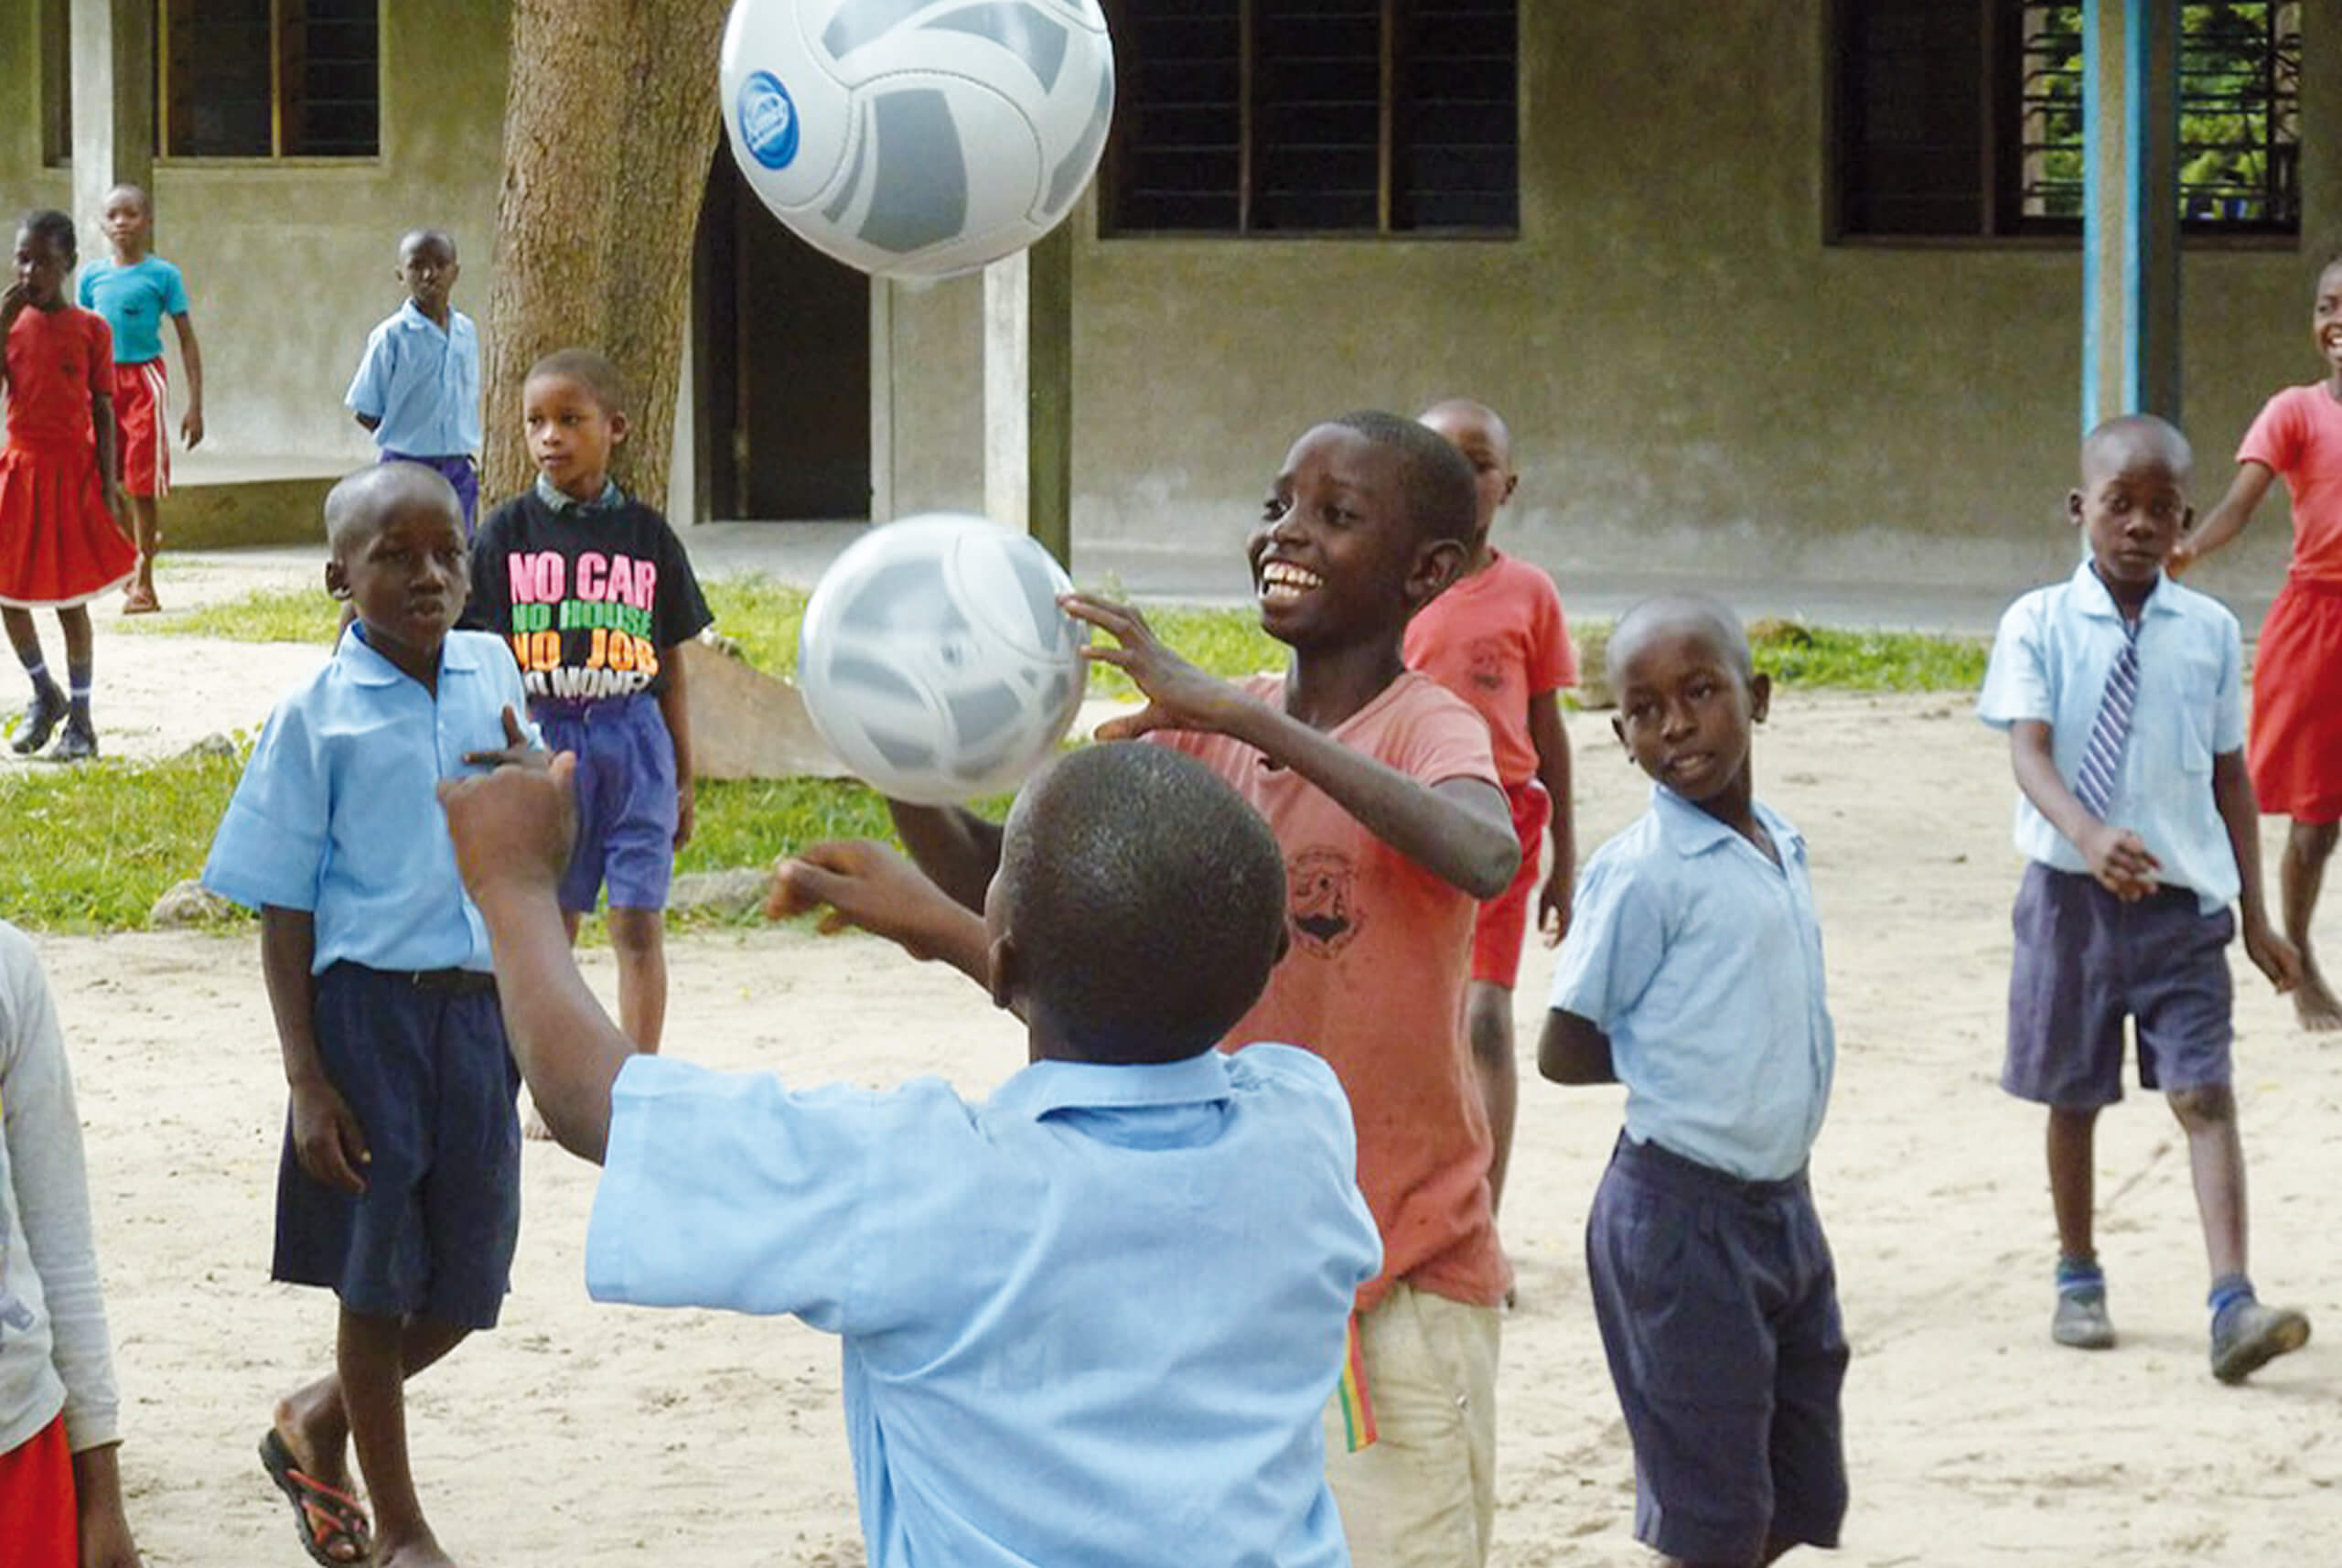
[2057, 646]
[337, 812]
[134, 300]
[1093, 1320]
[1702, 961]
[423, 383]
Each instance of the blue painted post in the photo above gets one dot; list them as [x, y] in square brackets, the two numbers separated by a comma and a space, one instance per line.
[2130, 209]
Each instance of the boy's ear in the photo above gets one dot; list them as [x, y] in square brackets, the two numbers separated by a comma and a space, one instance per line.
[336, 580]
[1618, 728]
[1437, 561]
[617, 427]
[1512, 483]
[1760, 696]
[1003, 972]
[2074, 508]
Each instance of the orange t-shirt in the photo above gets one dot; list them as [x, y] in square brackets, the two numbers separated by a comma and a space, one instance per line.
[57, 360]
[2299, 433]
[1496, 640]
[1374, 984]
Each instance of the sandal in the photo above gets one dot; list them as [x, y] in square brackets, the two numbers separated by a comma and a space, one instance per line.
[333, 1525]
[139, 600]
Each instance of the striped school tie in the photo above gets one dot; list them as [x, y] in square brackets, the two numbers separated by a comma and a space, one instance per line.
[2102, 763]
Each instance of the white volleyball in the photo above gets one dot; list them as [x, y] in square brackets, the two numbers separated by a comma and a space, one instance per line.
[935, 660]
[918, 138]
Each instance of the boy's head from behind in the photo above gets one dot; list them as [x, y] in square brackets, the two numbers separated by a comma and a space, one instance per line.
[1481, 435]
[428, 269]
[2131, 505]
[396, 532]
[1139, 906]
[1689, 696]
[573, 404]
[1371, 516]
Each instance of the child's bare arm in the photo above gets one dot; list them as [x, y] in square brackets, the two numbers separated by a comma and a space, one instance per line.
[869, 886]
[190, 356]
[101, 424]
[674, 706]
[99, 1520]
[1459, 830]
[326, 1138]
[2271, 952]
[1572, 1050]
[2117, 857]
[512, 830]
[1552, 743]
[2227, 520]
[957, 849]
[12, 301]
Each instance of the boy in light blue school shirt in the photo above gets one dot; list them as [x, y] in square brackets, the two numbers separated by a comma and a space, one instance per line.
[1693, 975]
[418, 387]
[1094, 1319]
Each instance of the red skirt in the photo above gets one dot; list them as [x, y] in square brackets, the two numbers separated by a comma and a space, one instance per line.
[59, 546]
[2295, 752]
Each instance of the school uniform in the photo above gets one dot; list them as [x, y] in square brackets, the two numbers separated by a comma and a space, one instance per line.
[134, 300]
[1092, 1319]
[421, 383]
[338, 815]
[2085, 959]
[590, 595]
[1713, 1284]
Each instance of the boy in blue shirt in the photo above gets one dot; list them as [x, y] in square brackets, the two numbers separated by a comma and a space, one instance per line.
[1092, 1320]
[1693, 975]
[135, 290]
[418, 387]
[399, 1186]
[2121, 692]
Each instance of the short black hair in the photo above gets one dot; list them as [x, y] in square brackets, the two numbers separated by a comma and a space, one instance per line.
[56, 228]
[588, 369]
[1145, 900]
[1698, 614]
[439, 236]
[358, 505]
[2116, 438]
[1437, 478]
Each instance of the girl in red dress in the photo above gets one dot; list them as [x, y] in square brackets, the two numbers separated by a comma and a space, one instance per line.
[61, 539]
[2295, 752]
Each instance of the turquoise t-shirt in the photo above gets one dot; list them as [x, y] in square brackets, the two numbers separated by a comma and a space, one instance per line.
[134, 300]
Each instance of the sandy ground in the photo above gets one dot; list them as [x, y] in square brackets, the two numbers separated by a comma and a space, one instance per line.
[590, 1435]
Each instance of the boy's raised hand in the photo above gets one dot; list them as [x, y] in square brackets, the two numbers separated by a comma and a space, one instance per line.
[858, 883]
[512, 828]
[518, 750]
[1179, 695]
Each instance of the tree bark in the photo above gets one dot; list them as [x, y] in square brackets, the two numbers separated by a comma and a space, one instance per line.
[610, 124]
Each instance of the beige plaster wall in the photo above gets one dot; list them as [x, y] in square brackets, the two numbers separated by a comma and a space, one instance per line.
[1696, 382]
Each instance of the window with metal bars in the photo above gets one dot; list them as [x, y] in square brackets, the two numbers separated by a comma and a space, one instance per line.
[262, 78]
[56, 83]
[1964, 118]
[1315, 116]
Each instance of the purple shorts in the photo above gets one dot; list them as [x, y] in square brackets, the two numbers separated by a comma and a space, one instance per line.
[1718, 1306]
[626, 799]
[2085, 960]
[459, 471]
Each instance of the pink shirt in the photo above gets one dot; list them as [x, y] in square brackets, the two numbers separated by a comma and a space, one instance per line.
[58, 361]
[1497, 640]
[1374, 984]
[2299, 435]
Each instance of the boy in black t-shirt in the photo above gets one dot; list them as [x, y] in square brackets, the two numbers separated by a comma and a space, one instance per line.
[594, 592]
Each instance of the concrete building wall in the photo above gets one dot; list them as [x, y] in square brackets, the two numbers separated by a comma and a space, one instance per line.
[1696, 382]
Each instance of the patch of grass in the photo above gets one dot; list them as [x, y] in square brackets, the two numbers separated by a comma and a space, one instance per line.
[89, 848]
[1224, 643]
[1795, 655]
[263, 615]
[762, 616]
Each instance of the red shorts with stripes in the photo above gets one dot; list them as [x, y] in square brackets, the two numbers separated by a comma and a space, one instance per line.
[37, 1502]
[142, 434]
[1503, 920]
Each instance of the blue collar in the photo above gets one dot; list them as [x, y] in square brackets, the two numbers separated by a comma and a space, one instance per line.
[411, 314]
[1689, 830]
[368, 668]
[561, 500]
[1054, 1085]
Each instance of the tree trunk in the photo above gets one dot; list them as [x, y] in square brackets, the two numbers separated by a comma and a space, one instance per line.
[608, 127]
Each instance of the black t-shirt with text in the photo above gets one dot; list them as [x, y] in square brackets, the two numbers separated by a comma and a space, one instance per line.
[586, 597]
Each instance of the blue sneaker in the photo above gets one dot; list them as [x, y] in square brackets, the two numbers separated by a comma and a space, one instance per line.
[2082, 1321]
[2247, 1336]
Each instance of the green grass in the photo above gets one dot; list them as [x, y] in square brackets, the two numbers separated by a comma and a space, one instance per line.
[89, 848]
[1801, 656]
[264, 615]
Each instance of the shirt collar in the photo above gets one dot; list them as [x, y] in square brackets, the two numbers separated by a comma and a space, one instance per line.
[2098, 600]
[412, 314]
[561, 500]
[368, 668]
[1055, 1085]
[1690, 831]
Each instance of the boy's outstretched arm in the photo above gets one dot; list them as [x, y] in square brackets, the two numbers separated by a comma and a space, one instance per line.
[1459, 830]
[2271, 952]
[2227, 520]
[869, 886]
[2118, 857]
[957, 849]
[1552, 743]
[512, 830]
[1572, 1050]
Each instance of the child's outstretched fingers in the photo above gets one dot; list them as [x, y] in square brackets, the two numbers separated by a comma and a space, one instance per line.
[514, 825]
[863, 884]
[1179, 696]
[518, 750]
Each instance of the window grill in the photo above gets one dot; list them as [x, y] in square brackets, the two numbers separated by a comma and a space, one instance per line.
[261, 78]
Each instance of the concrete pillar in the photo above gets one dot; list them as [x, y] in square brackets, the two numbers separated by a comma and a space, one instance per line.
[1028, 391]
[2129, 210]
[113, 106]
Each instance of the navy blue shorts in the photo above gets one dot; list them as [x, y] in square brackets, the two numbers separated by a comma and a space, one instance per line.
[1718, 1306]
[459, 471]
[2084, 962]
[626, 799]
[426, 1072]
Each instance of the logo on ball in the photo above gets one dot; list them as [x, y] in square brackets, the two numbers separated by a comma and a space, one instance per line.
[768, 121]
